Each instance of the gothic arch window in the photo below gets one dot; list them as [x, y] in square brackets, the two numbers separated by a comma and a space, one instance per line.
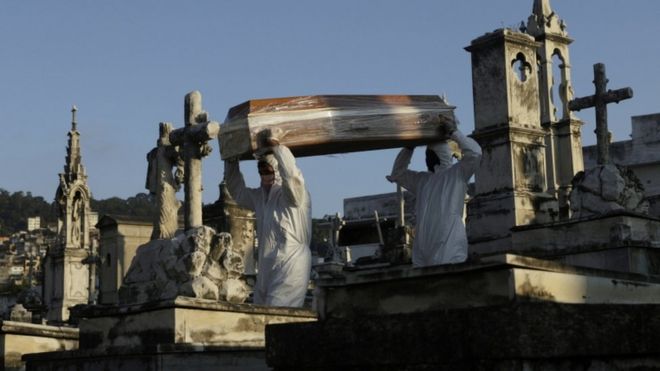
[521, 67]
[561, 88]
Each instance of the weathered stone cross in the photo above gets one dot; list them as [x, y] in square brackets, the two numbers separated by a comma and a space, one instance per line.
[194, 137]
[600, 101]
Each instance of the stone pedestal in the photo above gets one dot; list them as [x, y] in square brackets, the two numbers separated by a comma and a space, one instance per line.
[19, 338]
[183, 320]
[596, 236]
[66, 282]
[497, 280]
[504, 312]
[170, 335]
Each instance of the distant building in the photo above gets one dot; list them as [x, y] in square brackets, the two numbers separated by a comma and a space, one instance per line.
[33, 223]
[16, 271]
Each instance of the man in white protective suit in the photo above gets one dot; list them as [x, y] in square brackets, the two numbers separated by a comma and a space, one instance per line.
[440, 236]
[284, 225]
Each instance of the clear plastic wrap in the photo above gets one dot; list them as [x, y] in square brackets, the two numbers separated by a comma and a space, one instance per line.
[327, 124]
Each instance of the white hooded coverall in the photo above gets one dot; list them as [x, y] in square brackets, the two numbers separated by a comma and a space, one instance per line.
[440, 236]
[284, 228]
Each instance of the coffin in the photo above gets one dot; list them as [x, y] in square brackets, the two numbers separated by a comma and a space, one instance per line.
[327, 124]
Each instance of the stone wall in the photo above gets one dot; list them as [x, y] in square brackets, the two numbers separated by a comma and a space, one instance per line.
[120, 238]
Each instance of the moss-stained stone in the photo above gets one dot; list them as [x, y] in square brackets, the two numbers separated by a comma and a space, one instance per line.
[494, 280]
[182, 320]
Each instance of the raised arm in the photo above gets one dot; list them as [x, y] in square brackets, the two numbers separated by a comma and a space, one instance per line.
[400, 175]
[244, 196]
[471, 154]
[293, 183]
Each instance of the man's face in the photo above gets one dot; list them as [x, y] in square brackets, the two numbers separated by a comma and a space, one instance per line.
[267, 175]
[431, 160]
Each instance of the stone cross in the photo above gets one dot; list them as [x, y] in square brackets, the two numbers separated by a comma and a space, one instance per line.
[193, 138]
[600, 101]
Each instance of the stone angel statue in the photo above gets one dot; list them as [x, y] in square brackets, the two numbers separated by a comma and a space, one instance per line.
[163, 183]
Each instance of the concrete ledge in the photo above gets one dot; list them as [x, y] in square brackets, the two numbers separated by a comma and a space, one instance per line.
[33, 329]
[494, 280]
[89, 311]
[19, 338]
[612, 230]
[606, 231]
[182, 320]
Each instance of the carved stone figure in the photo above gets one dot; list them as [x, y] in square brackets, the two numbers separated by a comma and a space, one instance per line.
[162, 183]
[604, 189]
[76, 211]
[200, 263]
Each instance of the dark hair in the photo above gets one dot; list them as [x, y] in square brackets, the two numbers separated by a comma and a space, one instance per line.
[432, 159]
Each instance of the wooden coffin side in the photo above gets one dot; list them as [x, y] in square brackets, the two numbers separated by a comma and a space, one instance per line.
[234, 140]
[322, 132]
[339, 102]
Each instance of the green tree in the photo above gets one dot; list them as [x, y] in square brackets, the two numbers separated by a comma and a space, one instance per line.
[16, 207]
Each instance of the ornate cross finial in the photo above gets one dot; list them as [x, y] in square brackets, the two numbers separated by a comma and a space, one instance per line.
[599, 101]
[73, 117]
[193, 140]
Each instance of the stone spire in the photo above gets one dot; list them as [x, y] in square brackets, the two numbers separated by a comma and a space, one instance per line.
[73, 168]
[542, 7]
[66, 275]
[73, 194]
[563, 140]
[544, 20]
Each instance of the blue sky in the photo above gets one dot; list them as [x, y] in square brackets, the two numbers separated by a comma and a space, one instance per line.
[128, 65]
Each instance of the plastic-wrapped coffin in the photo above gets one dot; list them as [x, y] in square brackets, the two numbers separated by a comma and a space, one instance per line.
[327, 124]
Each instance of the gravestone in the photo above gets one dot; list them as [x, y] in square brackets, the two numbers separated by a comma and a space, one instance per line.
[640, 153]
[607, 187]
[198, 263]
[193, 140]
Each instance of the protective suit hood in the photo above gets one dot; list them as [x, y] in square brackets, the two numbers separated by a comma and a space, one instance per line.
[443, 152]
[270, 159]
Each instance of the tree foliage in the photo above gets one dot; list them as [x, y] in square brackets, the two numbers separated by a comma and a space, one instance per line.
[16, 207]
[139, 205]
